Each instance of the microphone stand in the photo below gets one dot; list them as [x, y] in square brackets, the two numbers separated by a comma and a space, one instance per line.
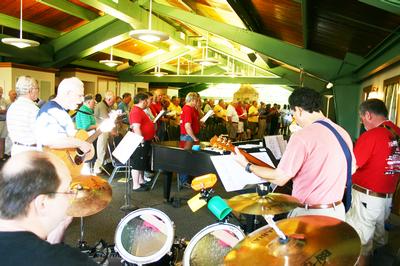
[128, 207]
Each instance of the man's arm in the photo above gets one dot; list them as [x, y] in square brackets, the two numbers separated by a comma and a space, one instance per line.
[189, 131]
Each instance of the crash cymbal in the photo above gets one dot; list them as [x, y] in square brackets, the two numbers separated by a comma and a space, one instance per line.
[93, 194]
[272, 203]
[312, 240]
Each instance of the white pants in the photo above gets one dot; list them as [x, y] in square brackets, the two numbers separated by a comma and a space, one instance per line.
[101, 149]
[336, 212]
[367, 215]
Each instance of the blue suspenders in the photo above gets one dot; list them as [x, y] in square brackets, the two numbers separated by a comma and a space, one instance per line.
[347, 153]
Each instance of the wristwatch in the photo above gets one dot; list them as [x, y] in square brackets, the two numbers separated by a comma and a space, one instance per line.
[247, 168]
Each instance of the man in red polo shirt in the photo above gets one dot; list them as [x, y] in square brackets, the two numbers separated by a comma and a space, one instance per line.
[376, 177]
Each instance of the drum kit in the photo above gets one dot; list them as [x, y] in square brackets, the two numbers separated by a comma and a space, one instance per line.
[147, 236]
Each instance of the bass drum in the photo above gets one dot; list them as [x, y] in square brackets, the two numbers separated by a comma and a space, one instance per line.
[211, 244]
[144, 236]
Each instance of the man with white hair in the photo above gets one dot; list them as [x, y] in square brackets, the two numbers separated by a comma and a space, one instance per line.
[21, 115]
[101, 112]
[34, 197]
[54, 127]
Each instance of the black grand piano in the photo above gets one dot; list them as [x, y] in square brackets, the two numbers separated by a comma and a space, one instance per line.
[178, 157]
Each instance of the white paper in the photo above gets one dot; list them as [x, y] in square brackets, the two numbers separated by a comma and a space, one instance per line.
[204, 118]
[263, 156]
[232, 174]
[158, 116]
[127, 146]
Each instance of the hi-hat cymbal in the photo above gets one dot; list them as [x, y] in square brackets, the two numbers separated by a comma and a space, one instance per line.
[312, 240]
[93, 194]
[272, 203]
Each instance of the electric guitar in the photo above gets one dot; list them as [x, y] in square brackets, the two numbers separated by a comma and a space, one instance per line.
[74, 157]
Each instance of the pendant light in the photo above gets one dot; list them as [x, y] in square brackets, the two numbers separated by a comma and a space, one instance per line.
[111, 62]
[20, 42]
[157, 71]
[149, 35]
[205, 60]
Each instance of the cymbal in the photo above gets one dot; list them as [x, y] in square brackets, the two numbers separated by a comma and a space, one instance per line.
[93, 194]
[272, 203]
[312, 240]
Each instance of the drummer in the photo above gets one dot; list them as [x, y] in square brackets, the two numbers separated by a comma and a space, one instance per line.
[313, 159]
[34, 196]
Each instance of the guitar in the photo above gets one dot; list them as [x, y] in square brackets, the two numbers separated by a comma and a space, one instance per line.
[74, 157]
[225, 144]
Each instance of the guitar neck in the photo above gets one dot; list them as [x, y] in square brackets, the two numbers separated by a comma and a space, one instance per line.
[255, 160]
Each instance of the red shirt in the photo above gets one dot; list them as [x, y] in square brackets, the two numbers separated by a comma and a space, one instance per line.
[155, 108]
[372, 151]
[138, 116]
[190, 115]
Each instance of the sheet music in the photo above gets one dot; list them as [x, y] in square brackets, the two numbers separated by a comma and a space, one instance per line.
[232, 174]
[127, 146]
[158, 116]
[276, 144]
[204, 118]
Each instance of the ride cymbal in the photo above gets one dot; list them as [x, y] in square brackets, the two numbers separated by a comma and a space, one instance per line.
[312, 240]
[93, 194]
[272, 203]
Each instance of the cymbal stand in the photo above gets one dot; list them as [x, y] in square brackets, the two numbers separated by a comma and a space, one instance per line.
[127, 207]
[82, 243]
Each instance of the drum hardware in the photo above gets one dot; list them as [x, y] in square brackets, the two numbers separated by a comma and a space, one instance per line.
[310, 240]
[128, 207]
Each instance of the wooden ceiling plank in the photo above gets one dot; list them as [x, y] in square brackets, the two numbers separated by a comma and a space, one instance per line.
[93, 64]
[247, 18]
[27, 26]
[70, 8]
[304, 21]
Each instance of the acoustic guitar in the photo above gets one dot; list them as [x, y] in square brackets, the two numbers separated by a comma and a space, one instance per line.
[74, 157]
[225, 144]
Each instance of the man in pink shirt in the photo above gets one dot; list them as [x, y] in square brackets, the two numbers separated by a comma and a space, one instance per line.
[313, 159]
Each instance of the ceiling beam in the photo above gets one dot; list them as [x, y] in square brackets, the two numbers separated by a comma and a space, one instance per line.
[206, 79]
[106, 36]
[245, 14]
[70, 8]
[93, 64]
[12, 22]
[312, 62]
[149, 64]
[78, 33]
[124, 54]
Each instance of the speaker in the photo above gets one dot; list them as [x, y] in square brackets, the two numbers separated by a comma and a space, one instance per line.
[252, 57]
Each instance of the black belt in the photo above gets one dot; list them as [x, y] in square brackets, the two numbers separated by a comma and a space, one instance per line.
[26, 145]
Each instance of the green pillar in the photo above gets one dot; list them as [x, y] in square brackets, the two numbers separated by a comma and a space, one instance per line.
[347, 98]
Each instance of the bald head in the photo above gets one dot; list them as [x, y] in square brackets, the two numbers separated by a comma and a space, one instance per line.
[70, 93]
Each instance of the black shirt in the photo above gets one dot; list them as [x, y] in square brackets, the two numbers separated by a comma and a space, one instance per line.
[25, 248]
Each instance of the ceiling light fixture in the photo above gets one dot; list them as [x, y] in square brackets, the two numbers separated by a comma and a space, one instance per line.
[205, 60]
[111, 62]
[20, 42]
[149, 35]
[329, 85]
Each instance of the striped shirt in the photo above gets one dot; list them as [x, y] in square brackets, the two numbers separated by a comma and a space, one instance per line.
[85, 118]
[21, 117]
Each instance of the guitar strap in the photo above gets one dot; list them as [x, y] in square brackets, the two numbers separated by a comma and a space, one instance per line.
[347, 153]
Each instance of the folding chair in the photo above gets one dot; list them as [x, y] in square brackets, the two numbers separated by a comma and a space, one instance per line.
[118, 166]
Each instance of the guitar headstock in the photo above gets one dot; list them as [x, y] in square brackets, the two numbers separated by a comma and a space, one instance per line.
[222, 143]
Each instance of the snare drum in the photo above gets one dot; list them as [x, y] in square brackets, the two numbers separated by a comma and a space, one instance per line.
[144, 236]
[211, 244]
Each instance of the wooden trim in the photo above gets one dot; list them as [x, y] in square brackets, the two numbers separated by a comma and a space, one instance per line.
[395, 79]
[29, 67]
[99, 73]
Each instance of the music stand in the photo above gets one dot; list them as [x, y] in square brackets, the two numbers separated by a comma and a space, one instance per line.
[123, 152]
